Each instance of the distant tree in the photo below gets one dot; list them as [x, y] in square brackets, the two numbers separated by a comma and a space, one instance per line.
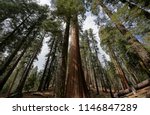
[131, 40]
[31, 81]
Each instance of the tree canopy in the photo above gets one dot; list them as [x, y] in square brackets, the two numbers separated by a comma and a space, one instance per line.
[74, 65]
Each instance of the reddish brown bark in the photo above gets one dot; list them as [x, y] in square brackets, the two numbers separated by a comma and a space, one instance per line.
[118, 68]
[76, 86]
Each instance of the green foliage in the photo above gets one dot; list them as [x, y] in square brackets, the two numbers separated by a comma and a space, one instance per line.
[69, 7]
[109, 36]
[27, 20]
[31, 81]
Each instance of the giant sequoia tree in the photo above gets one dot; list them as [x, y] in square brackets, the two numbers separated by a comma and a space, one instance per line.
[76, 85]
[74, 65]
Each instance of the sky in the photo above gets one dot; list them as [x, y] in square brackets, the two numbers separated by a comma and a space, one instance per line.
[41, 58]
[44, 2]
[88, 23]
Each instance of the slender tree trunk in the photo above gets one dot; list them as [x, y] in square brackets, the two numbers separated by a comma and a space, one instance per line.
[86, 69]
[11, 57]
[44, 73]
[46, 68]
[76, 86]
[60, 91]
[96, 84]
[119, 69]
[8, 74]
[131, 73]
[100, 69]
[6, 77]
[5, 41]
[18, 91]
[49, 76]
[25, 74]
[11, 86]
[92, 69]
[137, 46]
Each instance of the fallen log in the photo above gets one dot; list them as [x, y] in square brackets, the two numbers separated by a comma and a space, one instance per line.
[141, 85]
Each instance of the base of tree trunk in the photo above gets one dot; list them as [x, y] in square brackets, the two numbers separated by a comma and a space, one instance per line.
[15, 95]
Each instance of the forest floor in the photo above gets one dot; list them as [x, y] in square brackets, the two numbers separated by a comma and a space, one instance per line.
[39, 94]
[142, 93]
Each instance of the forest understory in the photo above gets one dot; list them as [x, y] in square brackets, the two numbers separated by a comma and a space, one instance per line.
[143, 92]
[75, 49]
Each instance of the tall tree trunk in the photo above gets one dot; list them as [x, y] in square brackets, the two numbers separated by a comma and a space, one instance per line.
[6, 77]
[96, 84]
[18, 91]
[60, 91]
[49, 76]
[130, 72]
[5, 41]
[76, 86]
[86, 69]
[48, 71]
[12, 55]
[11, 86]
[40, 88]
[137, 46]
[8, 74]
[118, 67]
[109, 85]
